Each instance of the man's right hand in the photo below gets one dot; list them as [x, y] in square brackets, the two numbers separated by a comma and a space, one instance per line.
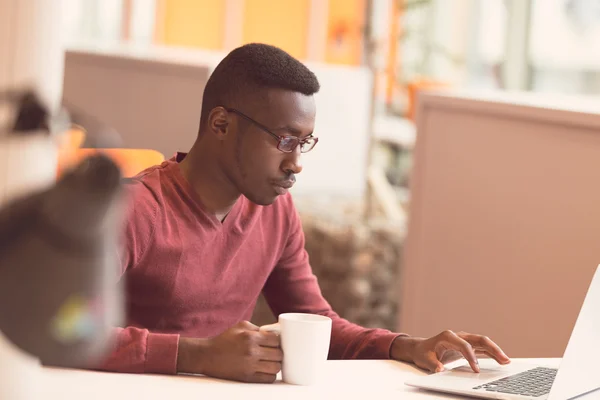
[242, 353]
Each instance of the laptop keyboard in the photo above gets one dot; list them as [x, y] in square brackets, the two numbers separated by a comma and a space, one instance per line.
[534, 383]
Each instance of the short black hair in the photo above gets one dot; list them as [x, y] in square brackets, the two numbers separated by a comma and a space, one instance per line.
[250, 68]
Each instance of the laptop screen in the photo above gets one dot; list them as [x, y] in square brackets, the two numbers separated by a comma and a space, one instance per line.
[579, 372]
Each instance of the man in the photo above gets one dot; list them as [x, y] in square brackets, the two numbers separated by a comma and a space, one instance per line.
[210, 230]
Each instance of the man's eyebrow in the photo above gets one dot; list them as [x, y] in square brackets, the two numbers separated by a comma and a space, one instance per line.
[292, 130]
[289, 129]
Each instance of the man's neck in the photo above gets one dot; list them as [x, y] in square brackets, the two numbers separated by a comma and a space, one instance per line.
[215, 190]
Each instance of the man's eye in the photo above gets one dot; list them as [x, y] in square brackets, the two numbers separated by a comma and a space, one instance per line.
[288, 143]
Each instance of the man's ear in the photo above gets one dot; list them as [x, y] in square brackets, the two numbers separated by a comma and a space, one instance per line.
[218, 122]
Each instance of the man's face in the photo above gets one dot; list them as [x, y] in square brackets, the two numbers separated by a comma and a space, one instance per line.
[256, 166]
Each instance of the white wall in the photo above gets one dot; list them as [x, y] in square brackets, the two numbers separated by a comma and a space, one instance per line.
[337, 166]
[31, 47]
[31, 56]
[564, 40]
[152, 97]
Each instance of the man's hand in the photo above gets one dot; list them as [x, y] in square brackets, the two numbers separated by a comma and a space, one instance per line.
[242, 353]
[431, 354]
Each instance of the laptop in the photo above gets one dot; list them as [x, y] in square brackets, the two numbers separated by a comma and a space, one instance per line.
[578, 374]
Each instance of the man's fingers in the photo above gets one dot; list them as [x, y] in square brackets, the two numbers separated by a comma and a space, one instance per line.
[271, 328]
[461, 345]
[268, 339]
[269, 367]
[482, 352]
[430, 362]
[271, 354]
[247, 326]
[261, 377]
[485, 343]
[435, 365]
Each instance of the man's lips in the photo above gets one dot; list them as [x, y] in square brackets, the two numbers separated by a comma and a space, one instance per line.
[286, 184]
[281, 187]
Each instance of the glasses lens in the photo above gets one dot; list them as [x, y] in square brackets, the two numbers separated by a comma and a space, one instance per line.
[308, 145]
[288, 143]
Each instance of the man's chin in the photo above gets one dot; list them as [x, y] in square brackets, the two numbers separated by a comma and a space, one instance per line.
[262, 200]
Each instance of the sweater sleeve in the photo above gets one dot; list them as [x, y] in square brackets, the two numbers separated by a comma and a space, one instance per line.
[136, 350]
[140, 351]
[292, 287]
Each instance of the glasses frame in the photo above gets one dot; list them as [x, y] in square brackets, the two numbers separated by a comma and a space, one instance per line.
[280, 138]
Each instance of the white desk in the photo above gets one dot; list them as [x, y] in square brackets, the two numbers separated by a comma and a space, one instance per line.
[351, 379]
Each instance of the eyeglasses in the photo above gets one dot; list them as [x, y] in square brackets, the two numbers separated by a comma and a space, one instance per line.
[286, 143]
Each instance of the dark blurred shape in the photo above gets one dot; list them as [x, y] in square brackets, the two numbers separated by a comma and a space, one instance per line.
[32, 115]
[58, 262]
[58, 252]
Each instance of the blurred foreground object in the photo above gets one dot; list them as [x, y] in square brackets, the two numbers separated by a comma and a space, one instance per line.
[33, 270]
[58, 249]
[58, 242]
[28, 144]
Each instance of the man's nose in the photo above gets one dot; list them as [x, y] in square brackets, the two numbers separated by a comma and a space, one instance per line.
[292, 163]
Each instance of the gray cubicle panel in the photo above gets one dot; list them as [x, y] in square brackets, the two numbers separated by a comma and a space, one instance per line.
[504, 224]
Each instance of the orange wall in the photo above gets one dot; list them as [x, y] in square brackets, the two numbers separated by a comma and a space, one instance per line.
[345, 24]
[194, 23]
[201, 23]
[280, 23]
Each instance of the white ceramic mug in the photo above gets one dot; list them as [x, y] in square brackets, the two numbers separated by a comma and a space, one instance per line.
[305, 342]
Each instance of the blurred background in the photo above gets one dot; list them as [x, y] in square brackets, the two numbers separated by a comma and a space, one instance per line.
[551, 45]
[546, 46]
[137, 69]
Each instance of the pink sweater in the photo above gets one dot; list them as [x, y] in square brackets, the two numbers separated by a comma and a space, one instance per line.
[188, 274]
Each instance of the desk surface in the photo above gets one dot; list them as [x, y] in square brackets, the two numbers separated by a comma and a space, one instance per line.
[358, 378]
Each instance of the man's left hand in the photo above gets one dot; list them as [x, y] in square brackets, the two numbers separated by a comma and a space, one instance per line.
[431, 354]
